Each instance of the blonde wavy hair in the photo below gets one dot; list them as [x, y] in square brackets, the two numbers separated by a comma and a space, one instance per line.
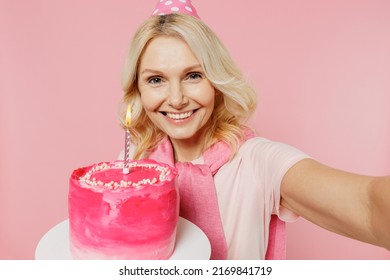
[232, 107]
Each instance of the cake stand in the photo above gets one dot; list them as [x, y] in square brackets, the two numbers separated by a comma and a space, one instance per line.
[191, 243]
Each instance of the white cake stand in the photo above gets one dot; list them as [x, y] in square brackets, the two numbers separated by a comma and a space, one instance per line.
[191, 243]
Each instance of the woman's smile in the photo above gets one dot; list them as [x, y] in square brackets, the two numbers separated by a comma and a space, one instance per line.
[182, 116]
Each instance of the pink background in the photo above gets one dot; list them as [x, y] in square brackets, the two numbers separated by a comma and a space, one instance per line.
[322, 70]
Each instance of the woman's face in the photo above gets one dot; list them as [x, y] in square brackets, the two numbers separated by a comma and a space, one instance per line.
[175, 93]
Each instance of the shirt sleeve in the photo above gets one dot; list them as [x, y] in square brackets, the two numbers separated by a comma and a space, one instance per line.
[274, 159]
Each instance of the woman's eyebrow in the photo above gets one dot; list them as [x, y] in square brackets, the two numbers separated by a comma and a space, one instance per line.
[193, 67]
[151, 71]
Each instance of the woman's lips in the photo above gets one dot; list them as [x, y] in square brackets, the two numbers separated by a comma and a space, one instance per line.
[179, 116]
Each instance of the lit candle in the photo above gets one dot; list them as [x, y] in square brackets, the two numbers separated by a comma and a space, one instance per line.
[126, 163]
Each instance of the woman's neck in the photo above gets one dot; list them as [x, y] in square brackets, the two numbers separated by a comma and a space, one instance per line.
[185, 151]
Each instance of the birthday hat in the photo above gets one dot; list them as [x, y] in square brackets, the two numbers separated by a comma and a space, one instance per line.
[165, 7]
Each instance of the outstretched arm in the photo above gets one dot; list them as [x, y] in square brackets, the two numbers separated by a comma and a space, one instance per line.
[352, 205]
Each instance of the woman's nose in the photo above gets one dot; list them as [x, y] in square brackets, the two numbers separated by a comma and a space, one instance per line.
[176, 96]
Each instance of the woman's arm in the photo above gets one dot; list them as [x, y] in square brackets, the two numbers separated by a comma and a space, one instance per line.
[380, 210]
[352, 205]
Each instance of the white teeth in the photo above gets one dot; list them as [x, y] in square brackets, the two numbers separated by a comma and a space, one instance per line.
[181, 116]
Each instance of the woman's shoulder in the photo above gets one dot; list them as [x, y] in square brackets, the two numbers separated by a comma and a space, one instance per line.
[262, 144]
[260, 149]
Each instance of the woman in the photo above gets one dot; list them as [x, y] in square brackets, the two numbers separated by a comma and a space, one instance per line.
[189, 105]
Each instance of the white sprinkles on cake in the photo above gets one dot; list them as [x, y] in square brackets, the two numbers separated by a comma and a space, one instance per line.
[91, 183]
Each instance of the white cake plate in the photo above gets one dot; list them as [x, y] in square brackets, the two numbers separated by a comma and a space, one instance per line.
[191, 243]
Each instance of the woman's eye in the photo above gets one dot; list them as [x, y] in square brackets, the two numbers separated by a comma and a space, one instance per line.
[194, 76]
[154, 80]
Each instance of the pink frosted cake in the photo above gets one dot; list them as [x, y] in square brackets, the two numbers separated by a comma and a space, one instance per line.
[123, 216]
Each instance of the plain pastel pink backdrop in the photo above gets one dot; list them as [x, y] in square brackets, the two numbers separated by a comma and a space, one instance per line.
[322, 70]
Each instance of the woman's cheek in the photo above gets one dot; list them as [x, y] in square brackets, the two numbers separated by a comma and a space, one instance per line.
[151, 101]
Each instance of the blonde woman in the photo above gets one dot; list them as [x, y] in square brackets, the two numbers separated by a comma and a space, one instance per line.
[189, 106]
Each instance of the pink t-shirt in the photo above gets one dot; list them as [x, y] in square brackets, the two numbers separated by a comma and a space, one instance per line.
[248, 190]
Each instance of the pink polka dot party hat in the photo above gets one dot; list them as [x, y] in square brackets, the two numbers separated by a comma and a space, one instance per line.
[165, 7]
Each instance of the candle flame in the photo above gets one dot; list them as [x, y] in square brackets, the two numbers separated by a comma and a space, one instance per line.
[128, 116]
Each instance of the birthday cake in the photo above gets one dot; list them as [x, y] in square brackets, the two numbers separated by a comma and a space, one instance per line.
[123, 216]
